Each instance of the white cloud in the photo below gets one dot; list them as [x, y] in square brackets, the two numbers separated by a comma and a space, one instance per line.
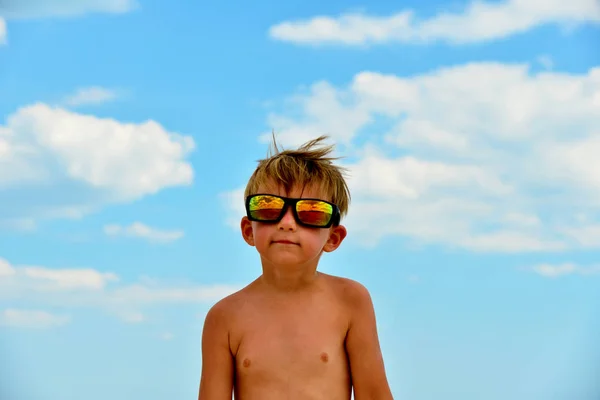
[512, 241]
[31, 319]
[325, 111]
[93, 289]
[70, 278]
[63, 8]
[587, 236]
[141, 294]
[90, 96]
[22, 9]
[409, 177]
[55, 163]
[6, 269]
[482, 156]
[48, 280]
[2, 31]
[137, 229]
[167, 336]
[575, 159]
[556, 271]
[478, 22]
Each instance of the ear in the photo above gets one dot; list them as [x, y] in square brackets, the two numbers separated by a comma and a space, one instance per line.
[247, 232]
[336, 237]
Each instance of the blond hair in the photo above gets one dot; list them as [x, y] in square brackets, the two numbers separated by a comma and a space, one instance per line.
[310, 164]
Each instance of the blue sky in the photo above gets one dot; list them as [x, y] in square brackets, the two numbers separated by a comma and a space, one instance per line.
[470, 130]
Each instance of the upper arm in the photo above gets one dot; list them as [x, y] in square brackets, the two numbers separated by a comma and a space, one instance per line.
[362, 345]
[216, 382]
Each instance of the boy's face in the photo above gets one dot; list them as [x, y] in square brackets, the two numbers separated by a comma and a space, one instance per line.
[286, 242]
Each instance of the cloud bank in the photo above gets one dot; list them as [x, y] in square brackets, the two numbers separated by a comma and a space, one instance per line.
[481, 156]
[2, 31]
[76, 288]
[17, 9]
[477, 22]
[140, 230]
[91, 96]
[55, 163]
[27, 9]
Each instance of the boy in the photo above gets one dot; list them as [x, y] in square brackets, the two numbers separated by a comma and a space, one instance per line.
[294, 333]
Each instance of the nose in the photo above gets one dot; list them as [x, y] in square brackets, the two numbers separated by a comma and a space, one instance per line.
[288, 222]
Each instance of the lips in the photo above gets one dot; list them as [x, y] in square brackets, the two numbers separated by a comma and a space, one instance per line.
[284, 242]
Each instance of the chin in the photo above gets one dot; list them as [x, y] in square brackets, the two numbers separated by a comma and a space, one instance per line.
[287, 261]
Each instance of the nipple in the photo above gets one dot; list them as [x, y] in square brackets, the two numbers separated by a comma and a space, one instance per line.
[246, 362]
[324, 357]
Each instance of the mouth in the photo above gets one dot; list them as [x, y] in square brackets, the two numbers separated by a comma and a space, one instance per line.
[284, 242]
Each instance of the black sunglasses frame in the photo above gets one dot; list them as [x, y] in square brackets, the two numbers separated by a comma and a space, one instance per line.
[287, 202]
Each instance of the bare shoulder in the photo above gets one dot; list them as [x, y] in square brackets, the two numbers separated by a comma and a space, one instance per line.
[224, 310]
[217, 323]
[228, 316]
[351, 292]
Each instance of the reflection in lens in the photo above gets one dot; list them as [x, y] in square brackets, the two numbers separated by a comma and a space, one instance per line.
[314, 212]
[265, 208]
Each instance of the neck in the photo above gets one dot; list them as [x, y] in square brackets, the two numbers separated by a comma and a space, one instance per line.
[288, 278]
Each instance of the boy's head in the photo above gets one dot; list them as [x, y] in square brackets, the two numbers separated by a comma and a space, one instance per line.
[309, 165]
[297, 230]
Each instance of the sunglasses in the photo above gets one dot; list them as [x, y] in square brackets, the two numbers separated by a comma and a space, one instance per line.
[312, 213]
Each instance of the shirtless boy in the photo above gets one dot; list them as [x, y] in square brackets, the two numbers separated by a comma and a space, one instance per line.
[294, 333]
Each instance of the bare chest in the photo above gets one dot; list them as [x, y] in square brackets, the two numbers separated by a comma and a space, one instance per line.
[292, 352]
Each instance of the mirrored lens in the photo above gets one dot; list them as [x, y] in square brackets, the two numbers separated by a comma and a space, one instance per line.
[265, 208]
[314, 212]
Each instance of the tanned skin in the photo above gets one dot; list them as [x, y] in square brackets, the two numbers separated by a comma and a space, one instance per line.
[294, 333]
